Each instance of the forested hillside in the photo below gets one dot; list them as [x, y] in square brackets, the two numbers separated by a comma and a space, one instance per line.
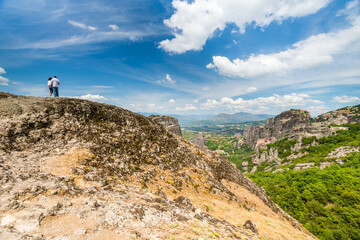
[326, 201]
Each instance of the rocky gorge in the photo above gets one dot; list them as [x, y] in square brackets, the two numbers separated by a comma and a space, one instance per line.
[75, 169]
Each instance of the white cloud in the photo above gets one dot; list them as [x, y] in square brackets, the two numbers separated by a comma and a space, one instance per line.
[94, 37]
[113, 27]
[82, 25]
[251, 89]
[92, 97]
[345, 99]
[167, 79]
[317, 110]
[206, 88]
[3, 81]
[312, 52]
[194, 22]
[171, 100]
[273, 101]
[187, 107]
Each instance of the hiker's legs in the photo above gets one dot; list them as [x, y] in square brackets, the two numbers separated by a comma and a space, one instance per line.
[56, 91]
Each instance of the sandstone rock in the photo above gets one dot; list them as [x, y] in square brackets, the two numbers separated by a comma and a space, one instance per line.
[278, 170]
[303, 166]
[8, 220]
[170, 123]
[251, 226]
[199, 139]
[324, 164]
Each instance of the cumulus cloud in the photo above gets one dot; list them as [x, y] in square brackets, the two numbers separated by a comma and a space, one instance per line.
[314, 51]
[187, 107]
[171, 100]
[3, 81]
[316, 110]
[345, 99]
[82, 25]
[251, 89]
[113, 27]
[194, 22]
[94, 97]
[273, 101]
[167, 79]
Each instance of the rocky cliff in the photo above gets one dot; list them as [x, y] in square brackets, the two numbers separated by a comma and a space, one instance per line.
[341, 116]
[75, 169]
[170, 123]
[293, 124]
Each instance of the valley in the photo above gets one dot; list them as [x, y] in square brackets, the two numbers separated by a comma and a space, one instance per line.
[309, 167]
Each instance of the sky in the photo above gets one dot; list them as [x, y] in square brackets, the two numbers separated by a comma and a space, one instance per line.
[185, 57]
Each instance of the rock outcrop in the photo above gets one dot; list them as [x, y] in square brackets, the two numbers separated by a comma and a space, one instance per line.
[75, 169]
[199, 139]
[341, 116]
[293, 124]
[170, 123]
[290, 123]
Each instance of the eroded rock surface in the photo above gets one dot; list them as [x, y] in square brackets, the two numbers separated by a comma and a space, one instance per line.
[75, 169]
[170, 123]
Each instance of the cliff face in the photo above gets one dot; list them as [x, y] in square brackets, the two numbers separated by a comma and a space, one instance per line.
[170, 123]
[341, 116]
[292, 123]
[75, 169]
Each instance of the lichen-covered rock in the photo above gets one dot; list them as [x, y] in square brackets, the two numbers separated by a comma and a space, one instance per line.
[170, 123]
[73, 169]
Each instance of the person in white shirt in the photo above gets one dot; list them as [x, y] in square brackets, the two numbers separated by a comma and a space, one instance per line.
[50, 86]
[55, 83]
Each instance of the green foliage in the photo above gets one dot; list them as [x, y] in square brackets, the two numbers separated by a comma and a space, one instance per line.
[308, 140]
[227, 128]
[188, 135]
[326, 202]
[283, 146]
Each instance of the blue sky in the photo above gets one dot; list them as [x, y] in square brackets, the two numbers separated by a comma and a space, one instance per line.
[185, 57]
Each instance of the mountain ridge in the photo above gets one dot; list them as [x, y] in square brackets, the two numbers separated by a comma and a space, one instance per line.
[111, 172]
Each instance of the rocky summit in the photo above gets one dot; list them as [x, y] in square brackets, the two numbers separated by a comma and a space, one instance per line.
[75, 169]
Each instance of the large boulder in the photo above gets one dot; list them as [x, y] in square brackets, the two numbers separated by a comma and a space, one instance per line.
[170, 123]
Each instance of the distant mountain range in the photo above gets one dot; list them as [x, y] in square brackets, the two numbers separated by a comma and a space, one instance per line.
[222, 118]
[183, 119]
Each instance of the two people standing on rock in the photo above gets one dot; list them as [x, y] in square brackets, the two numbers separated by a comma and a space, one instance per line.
[53, 84]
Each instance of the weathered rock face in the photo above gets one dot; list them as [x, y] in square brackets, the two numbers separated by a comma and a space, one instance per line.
[170, 123]
[75, 169]
[199, 139]
[341, 116]
[292, 124]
